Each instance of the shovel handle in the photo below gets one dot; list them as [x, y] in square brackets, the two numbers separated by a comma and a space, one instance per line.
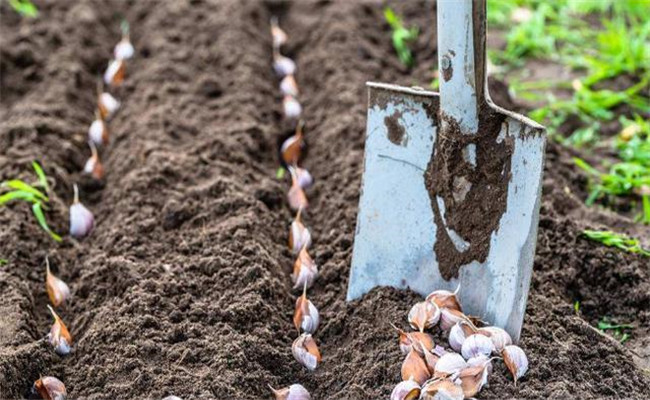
[461, 61]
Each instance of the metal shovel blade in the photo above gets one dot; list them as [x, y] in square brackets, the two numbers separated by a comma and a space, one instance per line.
[450, 193]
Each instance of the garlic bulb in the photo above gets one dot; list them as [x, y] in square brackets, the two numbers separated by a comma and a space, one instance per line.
[291, 107]
[107, 105]
[50, 388]
[414, 367]
[57, 290]
[442, 389]
[278, 35]
[499, 337]
[305, 180]
[293, 392]
[306, 316]
[305, 270]
[81, 219]
[98, 131]
[424, 315]
[305, 350]
[476, 345]
[516, 361]
[449, 364]
[450, 317]
[289, 86]
[406, 390]
[296, 196]
[114, 75]
[446, 299]
[299, 235]
[283, 66]
[292, 147]
[59, 337]
[94, 165]
[473, 379]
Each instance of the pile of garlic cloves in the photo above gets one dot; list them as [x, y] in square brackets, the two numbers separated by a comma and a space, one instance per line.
[429, 371]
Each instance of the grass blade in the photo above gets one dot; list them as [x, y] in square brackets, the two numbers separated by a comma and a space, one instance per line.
[38, 213]
[24, 187]
[41, 175]
[17, 195]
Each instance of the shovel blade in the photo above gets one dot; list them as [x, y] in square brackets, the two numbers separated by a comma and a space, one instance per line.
[396, 229]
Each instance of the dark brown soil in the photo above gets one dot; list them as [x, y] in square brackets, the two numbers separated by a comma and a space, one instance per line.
[184, 288]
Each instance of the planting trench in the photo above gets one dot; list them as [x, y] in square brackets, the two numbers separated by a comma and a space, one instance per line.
[184, 288]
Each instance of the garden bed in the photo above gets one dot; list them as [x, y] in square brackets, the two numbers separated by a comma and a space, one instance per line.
[183, 288]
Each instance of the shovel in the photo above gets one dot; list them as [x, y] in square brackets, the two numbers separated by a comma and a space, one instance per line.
[451, 185]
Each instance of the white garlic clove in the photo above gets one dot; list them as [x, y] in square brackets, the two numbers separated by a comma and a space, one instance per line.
[81, 219]
[306, 316]
[284, 66]
[306, 352]
[499, 337]
[278, 35]
[305, 180]
[50, 388]
[406, 390]
[476, 345]
[299, 235]
[456, 337]
[450, 317]
[59, 336]
[480, 361]
[94, 165]
[415, 368]
[292, 108]
[446, 299]
[107, 105]
[473, 379]
[57, 290]
[124, 49]
[305, 270]
[423, 315]
[293, 392]
[443, 389]
[296, 196]
[516, 361]
[114, 74]
[449, 364]
[98, 132]
[289, 86]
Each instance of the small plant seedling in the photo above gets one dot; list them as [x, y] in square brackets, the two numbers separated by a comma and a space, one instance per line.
[35, 194]
[576, 306]
[612, 239]
[24, 7]
[618, 331]
[401, 36]
[3, 261]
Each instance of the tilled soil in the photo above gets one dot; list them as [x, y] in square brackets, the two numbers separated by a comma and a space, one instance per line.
[183, 288]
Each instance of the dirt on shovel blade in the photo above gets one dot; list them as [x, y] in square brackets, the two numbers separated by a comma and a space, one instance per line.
[183, 288]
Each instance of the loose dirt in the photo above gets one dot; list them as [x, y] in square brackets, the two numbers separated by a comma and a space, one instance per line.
[184, 286]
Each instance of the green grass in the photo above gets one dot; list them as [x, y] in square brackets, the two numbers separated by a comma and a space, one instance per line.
[401, 36]
[24, 7]
[35, 194]
[618, 331]
[612, 239]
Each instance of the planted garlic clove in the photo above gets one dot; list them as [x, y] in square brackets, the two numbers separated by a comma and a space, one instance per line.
[476, 345]
[107, 105]
[299, 235]
[424, 315]
[305, 270]
[114, 75]
[449, 364]
[516, 361]
[293, 392]
[499, 337]
[473, 379]
[59, 337]
[57, 290]
[305, 350]
[450, 317]
[406, 390]
[414, 367]
[94, 165]
[296, 196]
[446, 299]
[442, 389]
[305, 316]
[98, 131]
[50, 388]
[305, 180]
[283, 66]
[124, 49]
[278, 35]
[289, 86]
[292, 147]
[291, 107]
[81, 219]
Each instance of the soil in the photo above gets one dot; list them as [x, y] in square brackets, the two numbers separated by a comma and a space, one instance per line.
[183, 288]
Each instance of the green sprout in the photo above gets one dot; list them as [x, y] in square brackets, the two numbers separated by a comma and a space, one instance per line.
[576, 306]
[401, 36]
[3, 261]
[612, 239]
[35, 194]
[24, 7]
[279, 173]
[618, 331]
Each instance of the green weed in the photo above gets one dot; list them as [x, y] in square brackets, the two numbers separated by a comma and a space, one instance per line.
[612, 239]
[401, 36]
[618, 331]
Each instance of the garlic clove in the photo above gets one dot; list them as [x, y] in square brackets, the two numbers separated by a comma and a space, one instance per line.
[499, 337]
[289, 86]
[59, 336]
[94, 165]
[296, 196]
[473, 379]
[81, 219]
[305, 270]
[475, 345]
[107, 105]
[306, 316]
[449, 364]
[291, 107]
[299, 235]
[516, 361]
[450, 317]
[430, 359]
[456, 337]
[424, 315]
[278, 35]
[292, 147]
[283, 66]
[293, 392]
[124, 49]
[406, 390]
[306, 352]
[305, 180]
[57, 290]
[414, 367]
[446, 299]
[98, 132]
[114, 75]
[407, 340]
[442, 389]
[50, 388]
